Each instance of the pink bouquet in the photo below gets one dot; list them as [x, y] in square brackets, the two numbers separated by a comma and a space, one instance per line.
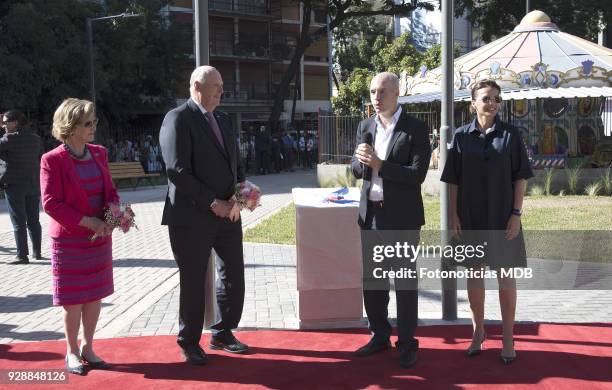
[119, 215]
[248, 195]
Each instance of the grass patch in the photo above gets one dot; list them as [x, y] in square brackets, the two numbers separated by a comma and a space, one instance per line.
[278, 229]
[539, 213]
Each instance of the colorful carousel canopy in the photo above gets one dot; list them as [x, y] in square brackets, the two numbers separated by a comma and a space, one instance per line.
[535, 55]
[517, 94]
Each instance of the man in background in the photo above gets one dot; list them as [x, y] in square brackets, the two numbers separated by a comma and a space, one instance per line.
[21, 149]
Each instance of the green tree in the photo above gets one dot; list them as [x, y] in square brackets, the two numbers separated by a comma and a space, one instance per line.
[397, 56]
[347, 54]
[339, 12]
[44, 57]
[499, 17]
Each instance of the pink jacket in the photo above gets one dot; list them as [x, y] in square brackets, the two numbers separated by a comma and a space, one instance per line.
[63, 198]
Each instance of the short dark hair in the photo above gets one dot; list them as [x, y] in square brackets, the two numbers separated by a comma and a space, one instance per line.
[484, 84]
[16, 115]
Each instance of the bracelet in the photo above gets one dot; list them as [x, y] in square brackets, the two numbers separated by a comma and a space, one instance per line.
[516, 212]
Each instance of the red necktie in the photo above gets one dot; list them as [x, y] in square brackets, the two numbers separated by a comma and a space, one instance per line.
[215, 128]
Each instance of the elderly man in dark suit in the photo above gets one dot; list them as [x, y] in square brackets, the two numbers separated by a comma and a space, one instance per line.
[392, 159]
[201, 153]
[21, 149]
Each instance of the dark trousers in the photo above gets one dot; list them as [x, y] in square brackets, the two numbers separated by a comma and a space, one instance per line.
[263, 162]
[288, 154]
[191, 247]
[23, 201]
[376, 300]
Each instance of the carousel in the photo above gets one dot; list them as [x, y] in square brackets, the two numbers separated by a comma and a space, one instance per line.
[557, 89]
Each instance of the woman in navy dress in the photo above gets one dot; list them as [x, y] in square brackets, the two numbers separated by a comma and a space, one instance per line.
[487, 169]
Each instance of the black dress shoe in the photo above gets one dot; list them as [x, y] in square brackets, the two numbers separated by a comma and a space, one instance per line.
[21, 260]
[98, 365]
[373, 346]
[195, 355]
[37, 256]
[407, 358]
[228, 343]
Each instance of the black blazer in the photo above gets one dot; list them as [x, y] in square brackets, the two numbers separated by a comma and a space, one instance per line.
[199, 169]
[402, 172]
[21, 150]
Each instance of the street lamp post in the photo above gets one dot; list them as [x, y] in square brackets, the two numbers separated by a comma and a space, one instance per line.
[89, 29]
[449, 285]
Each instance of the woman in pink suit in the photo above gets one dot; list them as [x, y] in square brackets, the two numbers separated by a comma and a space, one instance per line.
[76, 186]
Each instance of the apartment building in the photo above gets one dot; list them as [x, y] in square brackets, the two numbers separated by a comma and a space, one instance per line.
[251, 43]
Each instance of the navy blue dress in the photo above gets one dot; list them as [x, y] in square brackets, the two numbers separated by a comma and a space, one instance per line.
[485, 167]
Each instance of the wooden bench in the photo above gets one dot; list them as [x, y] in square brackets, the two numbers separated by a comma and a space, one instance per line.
[131, 171]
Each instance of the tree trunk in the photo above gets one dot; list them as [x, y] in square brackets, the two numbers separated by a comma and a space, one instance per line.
[283, 87]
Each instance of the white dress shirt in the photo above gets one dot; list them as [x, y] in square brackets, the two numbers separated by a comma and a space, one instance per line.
[201, 107]
[381, 144]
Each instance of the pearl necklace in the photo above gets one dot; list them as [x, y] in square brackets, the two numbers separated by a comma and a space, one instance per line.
[73, 154]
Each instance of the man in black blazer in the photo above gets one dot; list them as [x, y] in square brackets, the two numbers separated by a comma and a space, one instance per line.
[21, 149]
[203, 164]
[392, 157]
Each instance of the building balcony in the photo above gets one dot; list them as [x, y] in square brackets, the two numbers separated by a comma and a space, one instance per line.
[243, 92]
[242, 50]
[253, 8]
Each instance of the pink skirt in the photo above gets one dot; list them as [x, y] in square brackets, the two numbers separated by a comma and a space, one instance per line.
[82, 270]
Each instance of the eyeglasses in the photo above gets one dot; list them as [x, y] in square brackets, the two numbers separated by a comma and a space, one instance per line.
[91, 123]
[5, 121]
[487, 99]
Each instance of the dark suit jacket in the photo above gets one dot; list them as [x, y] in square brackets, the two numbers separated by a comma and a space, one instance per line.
[21, 150]
[199, 169]
[402, 172]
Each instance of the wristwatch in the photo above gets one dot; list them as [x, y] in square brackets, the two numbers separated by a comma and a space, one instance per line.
[516, 212]
[213, 204]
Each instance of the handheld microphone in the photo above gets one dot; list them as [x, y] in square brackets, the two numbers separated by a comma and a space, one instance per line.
[367, 171]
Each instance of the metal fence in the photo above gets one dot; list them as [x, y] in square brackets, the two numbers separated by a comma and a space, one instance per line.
[337, 138]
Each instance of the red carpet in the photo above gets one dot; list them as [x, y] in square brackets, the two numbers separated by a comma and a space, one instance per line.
[550, 356]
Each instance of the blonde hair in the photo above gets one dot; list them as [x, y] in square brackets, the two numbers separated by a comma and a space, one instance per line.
[68, 115]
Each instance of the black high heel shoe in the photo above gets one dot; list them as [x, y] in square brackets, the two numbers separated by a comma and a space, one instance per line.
[77, 370]
[473, 351]
[99, 365]
[508, 359]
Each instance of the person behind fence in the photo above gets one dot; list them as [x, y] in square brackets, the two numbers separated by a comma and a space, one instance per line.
[21, 149]
[309, 151]
[487, 170]
[287, 149]
[391, 157]
[262, 151]
[203, 165]
[277, 158]
[76, 187]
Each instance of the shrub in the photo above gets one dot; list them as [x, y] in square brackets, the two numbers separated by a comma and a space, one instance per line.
[549, 174]
[536, 190]
[573, 176]
[593, 189]
[606, 182]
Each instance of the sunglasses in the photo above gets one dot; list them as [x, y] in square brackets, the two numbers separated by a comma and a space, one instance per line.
[488, 99]
[91, 123]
